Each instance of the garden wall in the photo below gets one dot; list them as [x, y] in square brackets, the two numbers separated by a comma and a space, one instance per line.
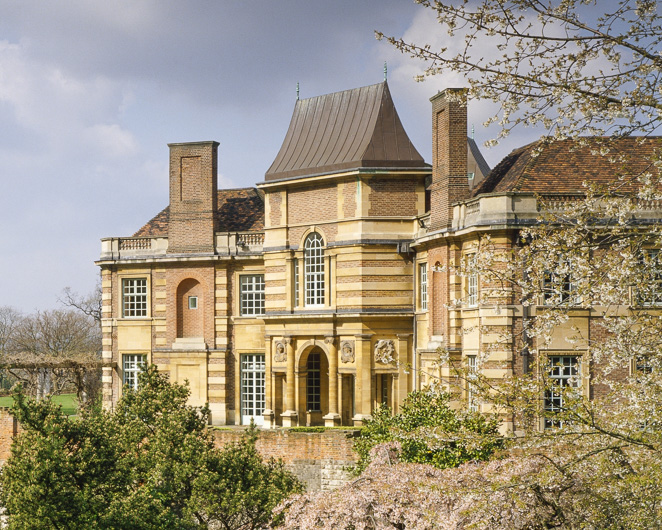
[319, 459]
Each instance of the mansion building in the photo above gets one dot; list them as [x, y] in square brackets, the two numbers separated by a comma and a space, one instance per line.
[327, 289]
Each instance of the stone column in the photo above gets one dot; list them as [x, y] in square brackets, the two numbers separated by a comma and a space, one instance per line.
[268, 413]
[290, 414]
[363, 380]
[402, 385]
[332, 418]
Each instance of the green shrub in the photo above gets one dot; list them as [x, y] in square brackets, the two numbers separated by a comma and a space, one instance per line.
[430, 432]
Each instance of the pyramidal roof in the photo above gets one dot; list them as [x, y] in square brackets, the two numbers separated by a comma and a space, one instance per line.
[357, 128]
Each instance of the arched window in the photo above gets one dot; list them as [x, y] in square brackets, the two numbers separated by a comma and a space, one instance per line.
[314, 269]
[314, 383]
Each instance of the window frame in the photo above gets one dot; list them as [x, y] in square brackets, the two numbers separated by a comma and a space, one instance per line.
[471, 284]
[252, 295]
[550, 282]
[472, 373]
[553, 401]
[134, 297]
[130, 373]
[314, 382]
[423, 286]
[314, 270]
[655, 268]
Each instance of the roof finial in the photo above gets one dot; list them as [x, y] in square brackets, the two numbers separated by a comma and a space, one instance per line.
[385, 70]
[297, 90]
[472, 131]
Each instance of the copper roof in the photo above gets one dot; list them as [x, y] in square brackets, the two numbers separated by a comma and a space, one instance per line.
[344, 130]
[240, 210]
[563, 166]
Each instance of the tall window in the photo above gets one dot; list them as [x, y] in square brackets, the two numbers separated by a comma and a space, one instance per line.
[296, 283]
[131, 367]
[252, 388]
[314, 269]
[472, 373]
[650, 292]
[564, 374]
[423, 285]
[314, 383]
[472, 281]
[134, 297]
[252, 294]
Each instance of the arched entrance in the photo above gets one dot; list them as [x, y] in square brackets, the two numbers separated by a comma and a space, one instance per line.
[190, 321]
[313, 386]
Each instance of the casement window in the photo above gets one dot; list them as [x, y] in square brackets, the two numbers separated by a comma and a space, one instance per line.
[471, 282]
[472, 290]
[313, 260]
[649, 293]
[472, 373]
[134, 297]
[131, 366]
[252, 388]
[314, 383]
[252, 294]
[564, 373]
[557, 286]
[423, 285]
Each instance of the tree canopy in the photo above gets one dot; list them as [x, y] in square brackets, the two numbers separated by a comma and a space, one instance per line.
[149, 463]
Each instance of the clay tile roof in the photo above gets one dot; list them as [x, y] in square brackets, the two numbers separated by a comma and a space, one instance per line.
[563, 166]
[239, 210]
[344, 130]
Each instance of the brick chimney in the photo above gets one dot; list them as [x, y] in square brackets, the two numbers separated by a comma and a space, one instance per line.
[449, 155]
[193, 185]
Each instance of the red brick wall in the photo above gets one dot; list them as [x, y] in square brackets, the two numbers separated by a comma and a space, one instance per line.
[292, 446]
[349, 199]
[8, 429]
[193, 184]
[392, 197]
[312, 205]
[275, 200]
[205, 275]
[449, 158]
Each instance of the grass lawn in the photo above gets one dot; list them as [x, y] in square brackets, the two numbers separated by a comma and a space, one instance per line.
[67, 401]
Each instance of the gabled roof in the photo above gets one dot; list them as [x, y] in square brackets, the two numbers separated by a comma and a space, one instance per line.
[563, 166]
[239, 210]
[344, 130]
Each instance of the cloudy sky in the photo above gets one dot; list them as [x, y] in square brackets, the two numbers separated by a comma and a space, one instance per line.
[91, 93]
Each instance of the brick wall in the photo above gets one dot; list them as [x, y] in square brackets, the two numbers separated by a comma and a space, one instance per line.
[205, 276]
[312, 205]
[392, 197]
[449, 156]
[320, 460]
[193, 184]
[8, 429]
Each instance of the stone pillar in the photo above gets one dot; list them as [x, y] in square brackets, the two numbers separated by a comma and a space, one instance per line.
[332, 418]
[402, 384]
[268, 413]
[362, 383]
[290, 414]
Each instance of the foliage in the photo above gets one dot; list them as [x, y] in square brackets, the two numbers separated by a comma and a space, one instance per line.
[429, 432]
[515, 493]
[576, 67]
[51, 351]
[150, 463]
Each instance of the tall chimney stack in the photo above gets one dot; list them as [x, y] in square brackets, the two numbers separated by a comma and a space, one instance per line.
[193, 185]
[449, 155]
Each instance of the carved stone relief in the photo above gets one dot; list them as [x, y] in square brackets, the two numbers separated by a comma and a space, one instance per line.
[385, 351]
[347, 351]
[280, 355]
